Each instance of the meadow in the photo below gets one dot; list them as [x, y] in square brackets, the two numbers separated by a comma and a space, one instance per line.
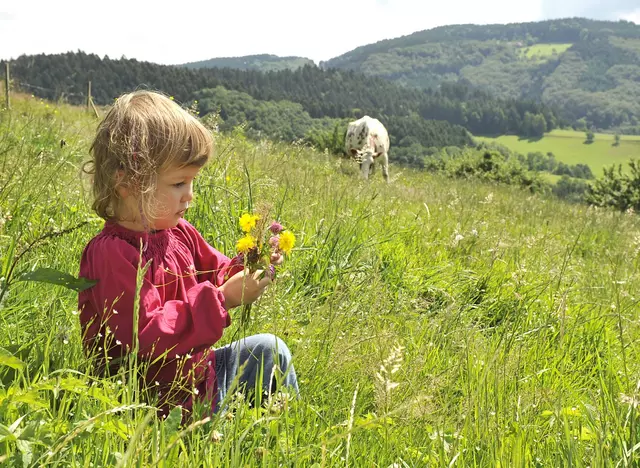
[433, 322]
[544, 51]
[569, 147]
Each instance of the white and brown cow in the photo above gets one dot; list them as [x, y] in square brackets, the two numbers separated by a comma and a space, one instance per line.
[366, 141]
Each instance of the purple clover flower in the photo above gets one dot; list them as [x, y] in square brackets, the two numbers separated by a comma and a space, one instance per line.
[274, 241]
[276, 227]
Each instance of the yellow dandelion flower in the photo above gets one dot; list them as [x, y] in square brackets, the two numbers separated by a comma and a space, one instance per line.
[246, 243]
[287, 241]
[248, 221]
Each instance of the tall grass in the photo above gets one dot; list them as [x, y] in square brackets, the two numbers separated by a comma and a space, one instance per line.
[432, 322]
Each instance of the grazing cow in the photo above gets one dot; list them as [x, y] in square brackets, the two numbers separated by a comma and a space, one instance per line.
[366, 141]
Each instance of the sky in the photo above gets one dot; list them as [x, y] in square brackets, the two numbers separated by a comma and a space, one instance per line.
[191, 30]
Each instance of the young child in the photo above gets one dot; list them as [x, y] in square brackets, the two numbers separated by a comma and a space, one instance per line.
[145, 156]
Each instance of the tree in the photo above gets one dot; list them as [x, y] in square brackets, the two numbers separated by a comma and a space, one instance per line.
[590, 137]
[616, 188]
[534, 124]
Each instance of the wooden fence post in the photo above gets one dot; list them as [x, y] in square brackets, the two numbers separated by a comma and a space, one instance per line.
[7, 77]
[94, 109]
[89, 96]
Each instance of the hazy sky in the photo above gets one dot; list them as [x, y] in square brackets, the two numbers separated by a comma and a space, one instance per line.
[191, 30]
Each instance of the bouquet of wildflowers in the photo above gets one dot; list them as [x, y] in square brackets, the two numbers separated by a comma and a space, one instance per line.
[260, 241]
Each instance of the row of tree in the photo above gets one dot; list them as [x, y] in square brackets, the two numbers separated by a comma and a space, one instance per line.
[617, 189]
[410, 135]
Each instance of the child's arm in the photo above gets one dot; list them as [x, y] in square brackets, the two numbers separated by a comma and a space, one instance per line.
[176, 326]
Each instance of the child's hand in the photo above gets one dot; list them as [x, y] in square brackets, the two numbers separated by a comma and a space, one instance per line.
[276, 259]
[244, 288]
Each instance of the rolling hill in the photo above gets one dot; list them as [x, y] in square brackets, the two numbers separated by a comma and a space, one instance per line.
[263, 62]
[293, 104]
[589, 69]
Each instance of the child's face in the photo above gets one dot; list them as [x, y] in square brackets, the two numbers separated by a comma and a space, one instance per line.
[173, 193]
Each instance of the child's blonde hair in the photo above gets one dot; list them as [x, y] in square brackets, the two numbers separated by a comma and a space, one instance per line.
[143, 133]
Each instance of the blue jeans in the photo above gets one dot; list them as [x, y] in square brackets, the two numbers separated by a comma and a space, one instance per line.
[263, 356]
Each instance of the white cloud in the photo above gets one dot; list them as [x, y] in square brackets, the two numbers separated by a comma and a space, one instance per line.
[171, 32]
[595, 9]
[634, 16]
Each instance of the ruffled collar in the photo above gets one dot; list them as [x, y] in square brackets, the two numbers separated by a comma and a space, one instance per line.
[154, 243]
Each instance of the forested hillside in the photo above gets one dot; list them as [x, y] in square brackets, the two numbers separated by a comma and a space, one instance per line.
[588, 69]
[333, 93]
[264, 62]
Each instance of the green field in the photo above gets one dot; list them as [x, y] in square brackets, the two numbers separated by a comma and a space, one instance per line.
[568, 146]
[543, 51]
[433, 322]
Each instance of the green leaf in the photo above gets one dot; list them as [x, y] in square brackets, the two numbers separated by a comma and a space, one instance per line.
[117, 427]
[25, 449]
[16, 424]
[30, 430]
[6, 434]
[30, 398]
[8, 359]
[98, 393]
[52, 276]
[172, 423]
[72, 384]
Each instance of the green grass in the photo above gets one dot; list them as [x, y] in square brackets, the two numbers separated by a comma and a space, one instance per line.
[551, 178]
[544, 51]
[569, 146]
[508, 321]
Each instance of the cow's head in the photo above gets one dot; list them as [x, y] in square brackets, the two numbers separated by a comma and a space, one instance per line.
[359, 155]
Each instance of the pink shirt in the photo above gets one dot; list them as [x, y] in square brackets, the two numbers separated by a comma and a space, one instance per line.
[181, 315]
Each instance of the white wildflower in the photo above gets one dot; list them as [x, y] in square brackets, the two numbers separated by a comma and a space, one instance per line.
[636, 245]
[629, 400]
[384, 382]
[457, 239]
[488, 199]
